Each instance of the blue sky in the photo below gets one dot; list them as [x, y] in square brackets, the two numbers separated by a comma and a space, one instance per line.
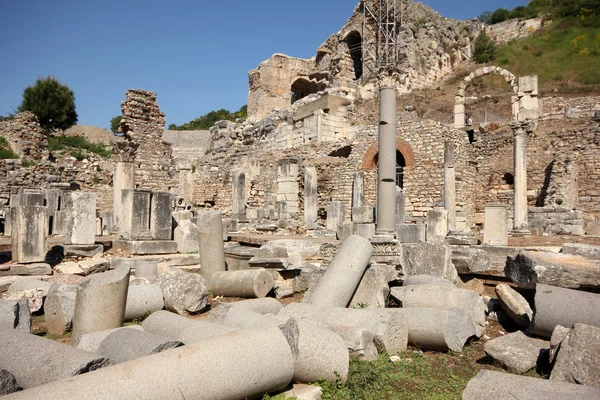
[194, 54]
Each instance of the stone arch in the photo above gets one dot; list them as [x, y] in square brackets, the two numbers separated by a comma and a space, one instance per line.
[354, 42]
[303, 87]
[370, 158]
[459, 107]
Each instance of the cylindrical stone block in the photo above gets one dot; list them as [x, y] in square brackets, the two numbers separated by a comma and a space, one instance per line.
[559, 306]
[35, 360]
[243, 283]
[129, 344]
[210, 240]
[342, 277]
[257, 361]
[311, 198]
[240, 318]
[143, 300]
[186, 330]
[386, 167]
[265, 305]
[319, 353]
[101, 301]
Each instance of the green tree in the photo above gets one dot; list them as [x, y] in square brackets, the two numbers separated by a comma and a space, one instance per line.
[485, 17]
[115, 123]
[500, 15]
[52, 103]
[485, 48]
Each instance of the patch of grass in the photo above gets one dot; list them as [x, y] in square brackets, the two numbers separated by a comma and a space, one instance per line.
[77, 154]
[76, 142]
[415, 376]
[5, 151]
[27, 163]
[565, 49]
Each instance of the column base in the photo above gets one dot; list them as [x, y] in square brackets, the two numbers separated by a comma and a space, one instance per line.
[520, 232]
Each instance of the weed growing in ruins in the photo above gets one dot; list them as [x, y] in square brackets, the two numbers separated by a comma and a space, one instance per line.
[77, 154]
[76, 142]
[5, 151]
[27, 163]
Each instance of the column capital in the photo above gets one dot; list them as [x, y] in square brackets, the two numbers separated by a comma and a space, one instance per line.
[523, 127]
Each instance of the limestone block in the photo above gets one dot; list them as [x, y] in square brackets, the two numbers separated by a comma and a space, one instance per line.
[559, 334]
[373, 290]
[184, 293]
[413, 233]
[29, 234]
[366, 231]
[59, 309]
[578, 359]
[161, 218]
[82, 250]
[491, 385]
[529, 268]
[210, 236]
[336, 215]
[584, 250]
[146, 269]
[345, 230]
[80, 212]
[15, 314]
[429, 259]
[437, 225]
[94, 266]
[129, 344]
[470, 260]
[319, 354]
[516, 351]
[529, 84]
[100, 302]
[301, 391]
[53, 360]
[515, 305]
[427, 280]
[363, 215]
[496, 225]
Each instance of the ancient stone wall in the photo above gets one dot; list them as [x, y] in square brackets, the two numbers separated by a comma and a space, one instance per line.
[559, 107]
[506, 31]
[25, 136]
[143, 125]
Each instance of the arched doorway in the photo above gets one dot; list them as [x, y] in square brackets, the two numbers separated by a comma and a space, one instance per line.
[400, 165]
[303, 87]
[354, 43]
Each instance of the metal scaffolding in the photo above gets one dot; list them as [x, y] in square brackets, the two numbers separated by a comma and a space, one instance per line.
[381, 21]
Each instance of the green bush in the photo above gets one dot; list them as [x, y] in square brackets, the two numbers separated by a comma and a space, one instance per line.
[485, 48]
[208, 120]
[500, 15]
[52, 103]
[115, 123]
[76, 142]
[5, 151]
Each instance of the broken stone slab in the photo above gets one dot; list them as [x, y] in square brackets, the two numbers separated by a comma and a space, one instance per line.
[429, 259]
[69, 268]
[80, 221]
[240, 318]
[53, 360]
[59, 309]
[515, 351]
[364, 230]
[94, 266]
[34, 298]
[29, 228]
[183, 329]
[373, 290]
[38, 268]
[389, 326]
[469, 260]
[91, 342]
[342, 277]
[319, 354]
[8, 383]
[437, 225]
[184, 293]
[186, 237]
[566, 307]
[362, 215]
[285, 254]
[515, 305]
[443, 298]
[265, 365]
[578, 358]
[427, 280]
[491, 385]
[100, 302]
[301, 391]
[558, 335]
[145, 247]
[245, 283]
[266, 305]
[527, 269]
[15, 314]
[210, 239]
[238, 257]
[584, 250]
[143, 300]
[441, 330]
[82, 250]
[283, 292]
[129, 344]
[6, 281]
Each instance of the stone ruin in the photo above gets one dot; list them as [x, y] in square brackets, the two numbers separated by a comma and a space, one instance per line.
[285, 207]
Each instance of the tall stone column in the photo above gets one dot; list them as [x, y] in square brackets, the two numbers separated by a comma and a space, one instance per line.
[520, 176]
[450, 185]
[311, 198]
[238, 203]
[386, 167]
[400, 206]
[358, 190]
[122, 179]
